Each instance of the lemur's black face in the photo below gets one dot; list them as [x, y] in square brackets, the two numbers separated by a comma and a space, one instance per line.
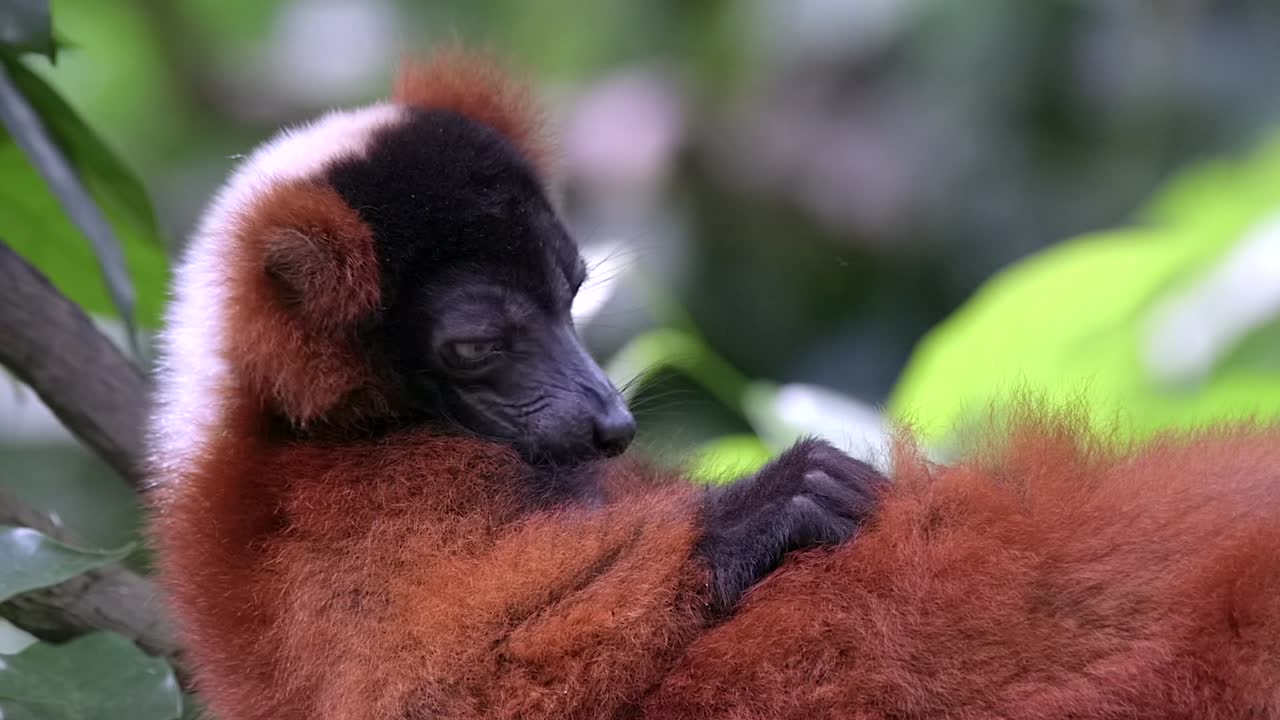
[505, 366]
[478, 278]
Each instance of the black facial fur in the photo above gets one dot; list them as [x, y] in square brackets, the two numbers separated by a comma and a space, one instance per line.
[478, 276]
[812, 495]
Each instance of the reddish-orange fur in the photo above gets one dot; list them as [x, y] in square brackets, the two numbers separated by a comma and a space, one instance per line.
[322, 578]
[406, 578]
[398, 579]
[319, 577]
[477, 87]
[303, 275]
[1045, 579]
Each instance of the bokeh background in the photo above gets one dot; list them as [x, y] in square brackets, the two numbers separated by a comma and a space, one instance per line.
[781, 200]
[803, 217]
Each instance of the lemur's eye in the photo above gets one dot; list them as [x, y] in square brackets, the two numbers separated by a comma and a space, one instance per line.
[471, 354]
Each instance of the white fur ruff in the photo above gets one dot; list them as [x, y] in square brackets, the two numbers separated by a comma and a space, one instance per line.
[191, 368]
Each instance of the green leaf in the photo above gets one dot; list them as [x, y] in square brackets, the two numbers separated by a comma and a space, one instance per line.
[102, 676]
[728, 458]
[36, 223]
[28, 132]
[30, 560]
[25, 26]
[678, 350]
[73, 485]
[1074, 324]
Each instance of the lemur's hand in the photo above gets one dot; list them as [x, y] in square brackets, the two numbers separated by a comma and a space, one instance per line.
[811, 495]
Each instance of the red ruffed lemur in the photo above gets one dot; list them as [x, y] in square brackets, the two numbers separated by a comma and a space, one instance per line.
[381, 452]
[387, 486]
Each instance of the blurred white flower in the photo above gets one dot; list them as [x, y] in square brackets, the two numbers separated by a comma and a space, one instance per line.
[607, 264]
[1193, 329]
[781, 415]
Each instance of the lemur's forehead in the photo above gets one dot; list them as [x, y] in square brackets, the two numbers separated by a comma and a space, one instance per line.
[447, 177]
[441, 191]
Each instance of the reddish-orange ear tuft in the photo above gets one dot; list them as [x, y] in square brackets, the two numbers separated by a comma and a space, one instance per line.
[475, 85]
[306, 279]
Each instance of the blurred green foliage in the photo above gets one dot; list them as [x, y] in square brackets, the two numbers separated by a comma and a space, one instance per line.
[846, 174]
[99, 676]
[31, 560]
[36, 222]
[1074, 323]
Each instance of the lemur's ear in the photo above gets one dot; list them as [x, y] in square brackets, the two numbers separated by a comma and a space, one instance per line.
[318, 257]
[318, 277]
[309, 279]
[297, 264]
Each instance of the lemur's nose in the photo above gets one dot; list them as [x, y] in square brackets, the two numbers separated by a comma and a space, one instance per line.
[615, 428]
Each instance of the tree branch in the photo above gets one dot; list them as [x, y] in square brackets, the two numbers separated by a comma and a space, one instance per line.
[97, 393]
[52, 346]
[111, 597]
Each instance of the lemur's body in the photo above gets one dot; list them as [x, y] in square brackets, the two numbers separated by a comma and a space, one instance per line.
[368, 295]
[335, 549]
[1050, 576]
